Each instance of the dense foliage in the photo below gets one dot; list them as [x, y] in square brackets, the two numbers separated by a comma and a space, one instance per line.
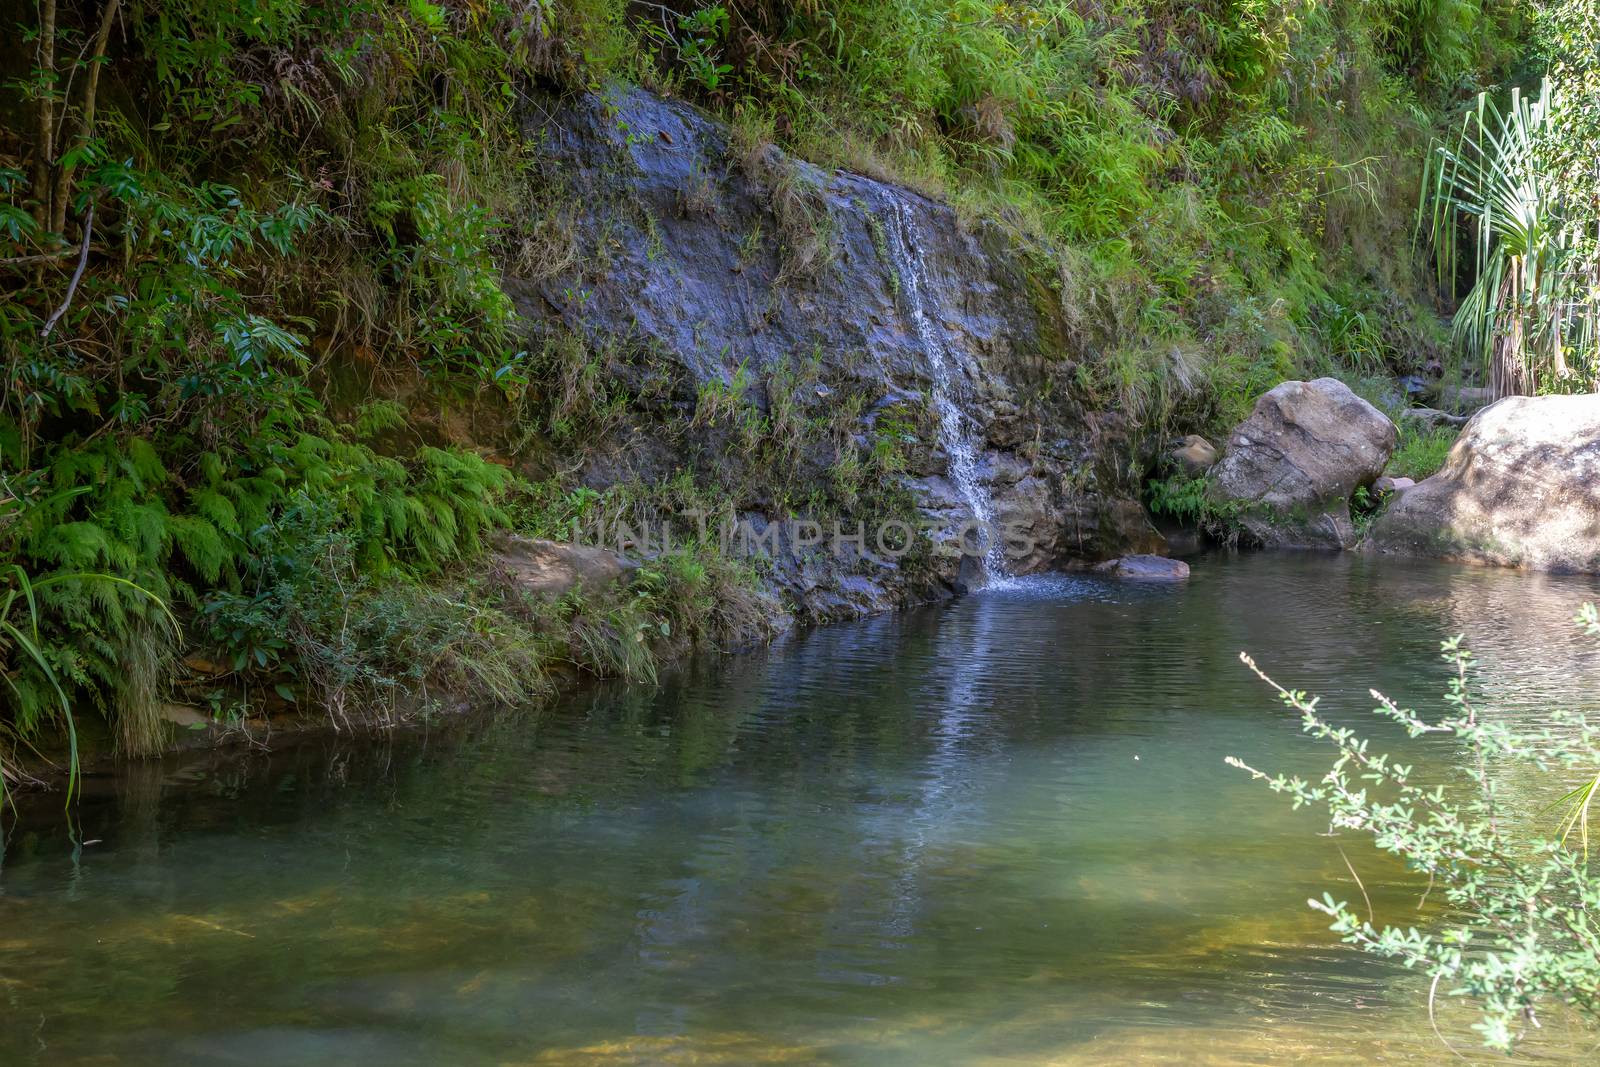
[1227, 186]
[227, 229]
[205, 197]
[240, 213]
[1518, 184]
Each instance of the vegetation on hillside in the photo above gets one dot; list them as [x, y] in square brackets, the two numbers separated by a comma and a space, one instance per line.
[215, 217]
[1517, 185]
[1227, 188]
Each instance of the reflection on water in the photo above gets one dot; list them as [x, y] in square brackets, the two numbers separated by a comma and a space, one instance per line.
[996, 832]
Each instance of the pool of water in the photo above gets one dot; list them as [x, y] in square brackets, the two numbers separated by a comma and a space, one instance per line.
[998, 831]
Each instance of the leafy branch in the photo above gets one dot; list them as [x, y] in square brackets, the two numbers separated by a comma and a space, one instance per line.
[1523, 932]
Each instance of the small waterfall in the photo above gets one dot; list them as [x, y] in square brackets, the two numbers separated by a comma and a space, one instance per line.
[954, 433]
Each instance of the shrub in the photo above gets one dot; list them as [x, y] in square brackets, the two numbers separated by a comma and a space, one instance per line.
[1421, 451]
[1186, 500]
[1520, 932]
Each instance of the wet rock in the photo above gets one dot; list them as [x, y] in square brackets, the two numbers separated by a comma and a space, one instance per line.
[1289, 469]
[690, 260]
[847, 596]
[1145, 568]
[1194, 455]
[551, 569]
[1520, 488]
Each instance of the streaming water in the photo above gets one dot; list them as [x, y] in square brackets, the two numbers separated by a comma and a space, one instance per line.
[994, 832]
[955, 437]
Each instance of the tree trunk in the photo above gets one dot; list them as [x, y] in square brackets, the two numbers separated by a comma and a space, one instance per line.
[102, 39]
[43, 151]
[1509, 371]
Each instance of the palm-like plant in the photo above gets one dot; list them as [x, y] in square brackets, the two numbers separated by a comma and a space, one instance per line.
[1529, 304]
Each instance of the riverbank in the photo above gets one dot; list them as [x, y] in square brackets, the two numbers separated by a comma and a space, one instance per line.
[528, 623]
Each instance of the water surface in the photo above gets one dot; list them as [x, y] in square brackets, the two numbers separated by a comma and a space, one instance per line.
[994, 832]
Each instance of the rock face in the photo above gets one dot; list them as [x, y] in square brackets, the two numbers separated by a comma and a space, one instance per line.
[1291, 467]
[1145, 569]
[692, 264]
[1521, 488]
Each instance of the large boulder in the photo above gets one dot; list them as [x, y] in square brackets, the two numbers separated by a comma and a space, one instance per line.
[1521, 488]
[1290, 468]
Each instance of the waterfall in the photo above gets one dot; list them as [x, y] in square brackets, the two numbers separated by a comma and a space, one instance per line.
[954, 434]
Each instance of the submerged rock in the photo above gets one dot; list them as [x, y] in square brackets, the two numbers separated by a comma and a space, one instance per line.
[1145, 568]
[1289, 469]
[1521, 488]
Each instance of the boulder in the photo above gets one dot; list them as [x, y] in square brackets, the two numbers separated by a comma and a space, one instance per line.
[1289, 469]
[1521, 488]
[1194, 454]
[551, 569]
[200, 663]
[1387, 484]
[184, 716]
[1145, 568]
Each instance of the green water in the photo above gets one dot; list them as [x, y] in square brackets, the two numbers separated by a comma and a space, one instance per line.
[994, 832]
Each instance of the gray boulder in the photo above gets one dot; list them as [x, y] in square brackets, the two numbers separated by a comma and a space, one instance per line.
[1465, 399]
[1289, 469]
[1429, 418]
[1521, 488]
[1145, 569]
